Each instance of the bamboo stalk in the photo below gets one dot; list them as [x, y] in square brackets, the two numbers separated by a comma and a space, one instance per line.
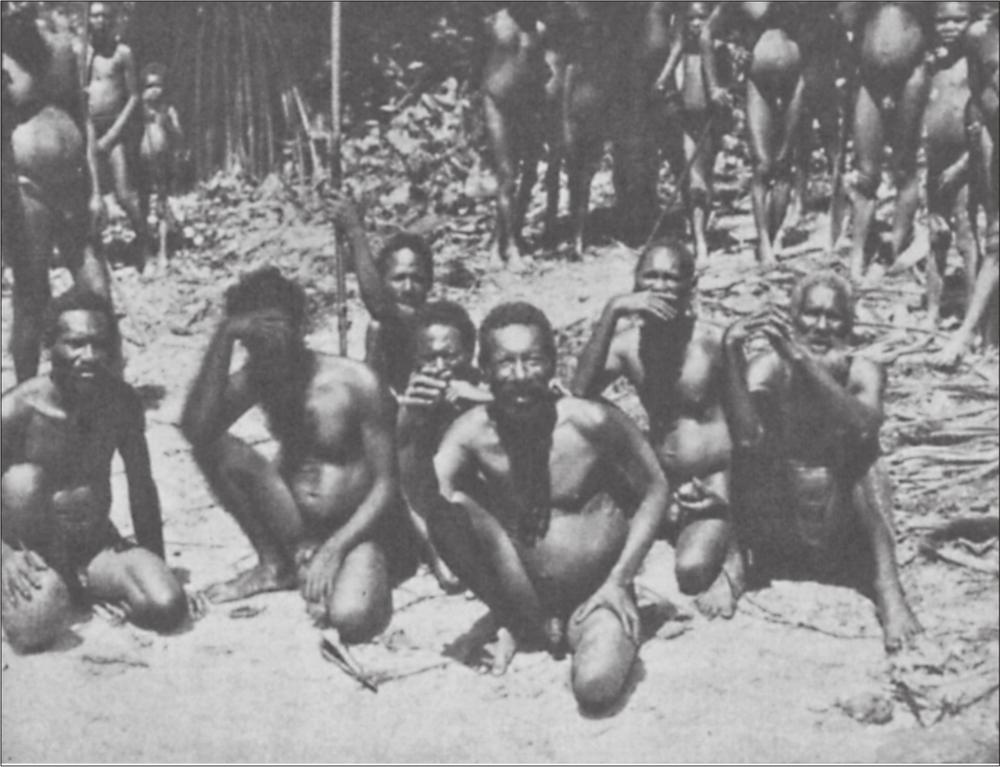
[335, 169]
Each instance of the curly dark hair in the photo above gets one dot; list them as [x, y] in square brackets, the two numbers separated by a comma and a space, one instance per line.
[79, 299]
[267, 288]
[406, 241]
[449, 314]
[515, 313]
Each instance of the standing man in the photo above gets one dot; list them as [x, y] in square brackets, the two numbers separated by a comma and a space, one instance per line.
[814, 500]
[113, 99]
[330, 506]
[983, 54]
[47, 196]
[891, 42]
[546, 507]
[675, 364]
[947, 151]
[59, 435]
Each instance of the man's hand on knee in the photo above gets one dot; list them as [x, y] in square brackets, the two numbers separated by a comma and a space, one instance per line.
[22, 574]
[617, 599]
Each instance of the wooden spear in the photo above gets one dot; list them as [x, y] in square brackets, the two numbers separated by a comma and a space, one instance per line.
[338, 255]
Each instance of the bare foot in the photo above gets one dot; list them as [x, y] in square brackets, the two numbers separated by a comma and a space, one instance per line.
[899, 625]
[719, 599]
[952, 353]
[253, 581]
[501, 651]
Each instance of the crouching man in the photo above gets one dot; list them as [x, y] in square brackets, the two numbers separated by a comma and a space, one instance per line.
[60, 433]
[812, 500]
[327, 515]
[545, 507]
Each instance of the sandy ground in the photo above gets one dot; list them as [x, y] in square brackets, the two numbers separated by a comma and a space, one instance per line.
[252, 685]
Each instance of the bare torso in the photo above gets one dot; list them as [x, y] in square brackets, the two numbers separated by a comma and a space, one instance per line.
[588, 525]
[325, 465]
[107, 92]
[515, 68]
[944, 117]
[687, 425]
[796, 502]
[893, 39]
[73, 447]
[48, 149]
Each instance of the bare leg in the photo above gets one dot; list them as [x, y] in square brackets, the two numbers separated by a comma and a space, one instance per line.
[703, 548]
[255, 494]
[906, 134]
[479, 551]
[782, 188]
[873, 506]
[505, 165]
[26, 508]
[128, 198]
[603, 656]
[582, 160]
[984, 294]
[700, 191]
[762, 128]
[360, 603]
[553, 171]
[938, 213]
[868, 147]
[142, 583]
[31, 288]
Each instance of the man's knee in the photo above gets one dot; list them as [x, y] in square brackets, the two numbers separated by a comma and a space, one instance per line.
[866, 182]
[359, 616]
[161, 603]
[34, 625]
[24, 492]
[602, 661]
[699, 195]
[694, 572]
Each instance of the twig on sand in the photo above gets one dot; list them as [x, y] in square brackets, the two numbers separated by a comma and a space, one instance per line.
[775, 617]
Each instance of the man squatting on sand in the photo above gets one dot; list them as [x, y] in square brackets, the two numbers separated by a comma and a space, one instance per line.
[327, 514]
[545, 506]
[813, 499]
[59, 434]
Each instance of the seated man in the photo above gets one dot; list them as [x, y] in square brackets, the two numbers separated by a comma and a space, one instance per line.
[675, 362]
[442, 387]
[331, 504]
[393, 287]
[59, 435]
[813, 499]
[546, 507]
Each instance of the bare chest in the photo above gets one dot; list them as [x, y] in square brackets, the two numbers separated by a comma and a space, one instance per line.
[71, 448]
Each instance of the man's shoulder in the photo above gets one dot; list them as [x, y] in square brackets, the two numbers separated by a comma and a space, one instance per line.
[334, 370]
[587, 415]
[27, 394]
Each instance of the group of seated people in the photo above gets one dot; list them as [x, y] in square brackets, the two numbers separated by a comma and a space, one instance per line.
[461, 450]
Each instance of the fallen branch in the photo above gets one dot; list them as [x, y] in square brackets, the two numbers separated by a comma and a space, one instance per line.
[775, 617]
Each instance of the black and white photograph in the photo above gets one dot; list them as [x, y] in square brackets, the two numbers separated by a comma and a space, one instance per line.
[539, 382]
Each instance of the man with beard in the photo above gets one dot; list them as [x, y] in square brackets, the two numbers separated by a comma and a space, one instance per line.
[675, 364]
[443, 385]
[546, 507]
[113, 99]
[814, 501]
[393, 287]
[60, 433]
[330, 505]
[983, 54]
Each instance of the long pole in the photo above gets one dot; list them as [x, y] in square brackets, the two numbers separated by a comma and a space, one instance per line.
[338, 256]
